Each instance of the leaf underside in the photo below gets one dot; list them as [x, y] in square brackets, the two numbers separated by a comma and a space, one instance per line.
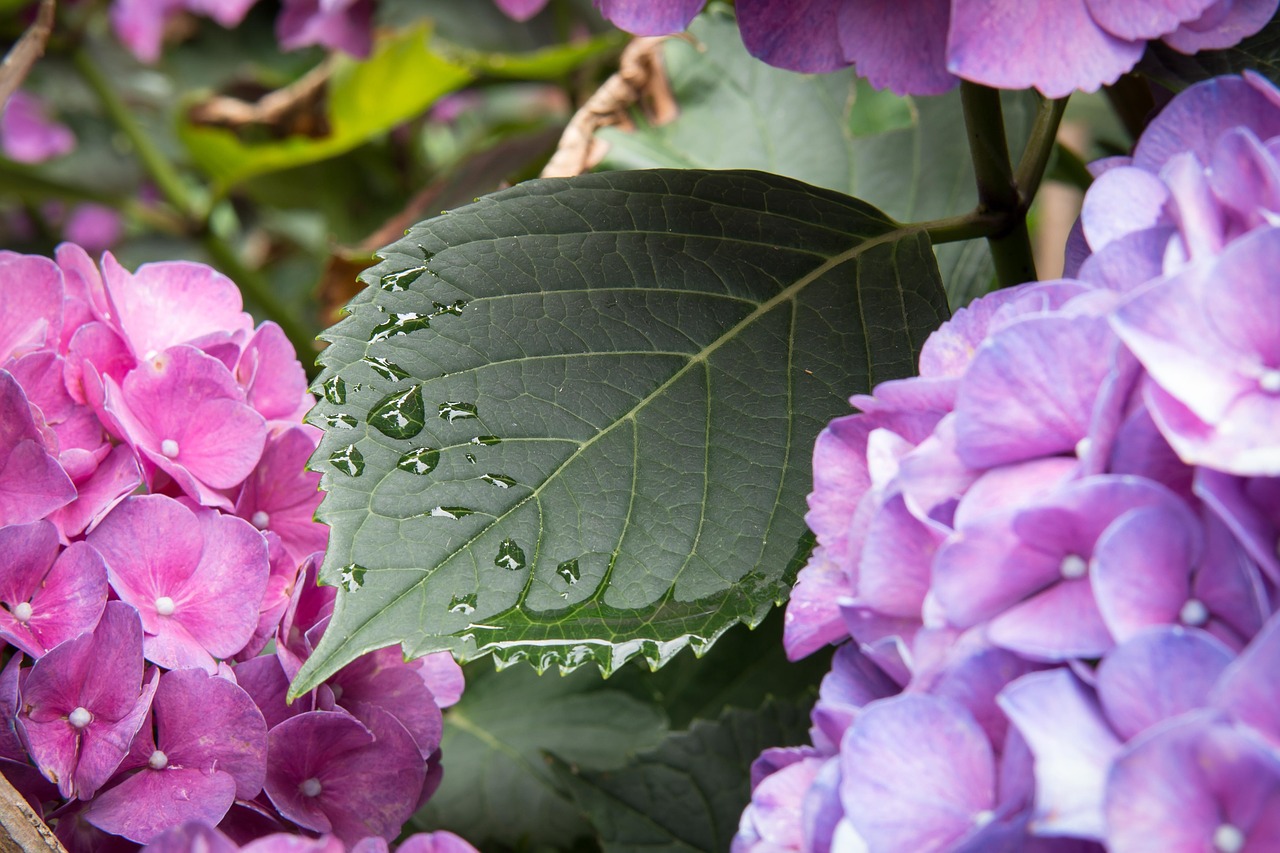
[572, 422]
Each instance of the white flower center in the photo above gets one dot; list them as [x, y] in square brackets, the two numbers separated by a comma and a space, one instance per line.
[310, 787]
[165, 605]
[1083, 446]
[983, 818]
[169, 448]
[1074, 567]
[158, 760]
[22, 612]
[260, 520]
[1228, 839]
[80, 717]
[1193, 613]
[1269, 381]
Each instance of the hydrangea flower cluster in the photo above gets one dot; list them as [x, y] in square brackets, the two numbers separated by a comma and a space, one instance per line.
[1051, 560]
[157, 533]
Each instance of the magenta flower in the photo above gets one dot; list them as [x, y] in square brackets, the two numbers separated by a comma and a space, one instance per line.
[184, 414]
[31, 312]
[280, 495]
[275, 383]
[93, 226]
[520, 10]
[83, 702]
[32, 483]
[196, 577]
[28, 134]
[345, 25]
[384, 679]
[139, 24]
[209, 749]
[191, 836]
[329, 772]
[440, 841]
[48, 597]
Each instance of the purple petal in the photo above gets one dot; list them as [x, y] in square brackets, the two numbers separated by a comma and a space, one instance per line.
[1028, 392]
[1243, 19]
[772, 820]
[1073, 746]
[1145, 19]
[331, 773]
[1190, 784]
[1058, 624]
[99, 673]
[345, 25]
[1157, 675]
[383, 678]
[264, 680]
[801, 35]
[854, 681]
[1060, 48]
[190, 837]
[31, 313]
[116, 477]
[146, 804]
[1248, 689]
[209, 723]
[650, 17]
[917, 772]
[440, 841]
[1195, 120]
[65, 602]
[520, 10]
[282, 496]
[1141, 570]
[901, 48]
[442, 675]
[1121, 202]
[813, 613]
[29, 135]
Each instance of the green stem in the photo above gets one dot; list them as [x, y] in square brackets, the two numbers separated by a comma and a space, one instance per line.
[157, 165]
[176, 193]
[1035, 159]
[956, 229]
[997, 193]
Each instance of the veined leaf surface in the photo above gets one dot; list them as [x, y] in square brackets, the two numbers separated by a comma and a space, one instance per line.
[618, 379]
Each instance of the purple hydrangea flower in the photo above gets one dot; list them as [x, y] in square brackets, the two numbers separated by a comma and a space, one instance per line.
[140, 24]
[49, 597]
[345, 25]
[209, 749]
[28, 134]
[83, 702]
[195, 576]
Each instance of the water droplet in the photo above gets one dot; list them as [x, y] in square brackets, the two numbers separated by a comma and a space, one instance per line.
[454, 512]
[400, 415]
[569, 571]
[510, 556]
[399, 324]
[453, 410]
[335, 391]
[351, 576]
[499, 480]
[441, 309]
[349, 460]
[420, 460]
[470, 457]
[464, 604]
[398, 281]
[340, 421]
[486, 440]
[388, 370]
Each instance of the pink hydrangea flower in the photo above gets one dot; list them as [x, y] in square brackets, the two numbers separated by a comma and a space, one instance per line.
[28, 134]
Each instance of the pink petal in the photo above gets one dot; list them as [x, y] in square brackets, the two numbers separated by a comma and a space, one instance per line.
[209, 723]
[146, 804]
[274, 381]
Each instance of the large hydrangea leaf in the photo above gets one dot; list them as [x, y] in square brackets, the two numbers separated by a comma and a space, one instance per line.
[572, 422]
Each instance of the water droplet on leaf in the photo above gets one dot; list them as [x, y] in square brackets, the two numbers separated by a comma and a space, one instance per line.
[499, 480]
[510, 556]
[486, 440]
[569, 571]
[349, 460]
[340, 421]
[335, 391]
[400, 415]
[351, 577]
[388, 370]
[399, 324]
[464, 604]
[420, 460]
[454, 512]
[456, 411]
[398, 281]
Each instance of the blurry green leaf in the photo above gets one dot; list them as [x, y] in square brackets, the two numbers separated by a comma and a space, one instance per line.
[907, 156]
[649, 356]
[365, 98]
[546, 63]
[498, 789]
[688, 794]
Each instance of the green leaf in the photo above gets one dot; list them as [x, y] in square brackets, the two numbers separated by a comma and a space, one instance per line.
[1259, 52]
[648, 356]
[907, 156]
[498, 789]
[366, 98]
[689, 793]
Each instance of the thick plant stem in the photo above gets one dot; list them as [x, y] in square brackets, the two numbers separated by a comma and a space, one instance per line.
[1035, 159]
[997, 192]
[176, 193]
